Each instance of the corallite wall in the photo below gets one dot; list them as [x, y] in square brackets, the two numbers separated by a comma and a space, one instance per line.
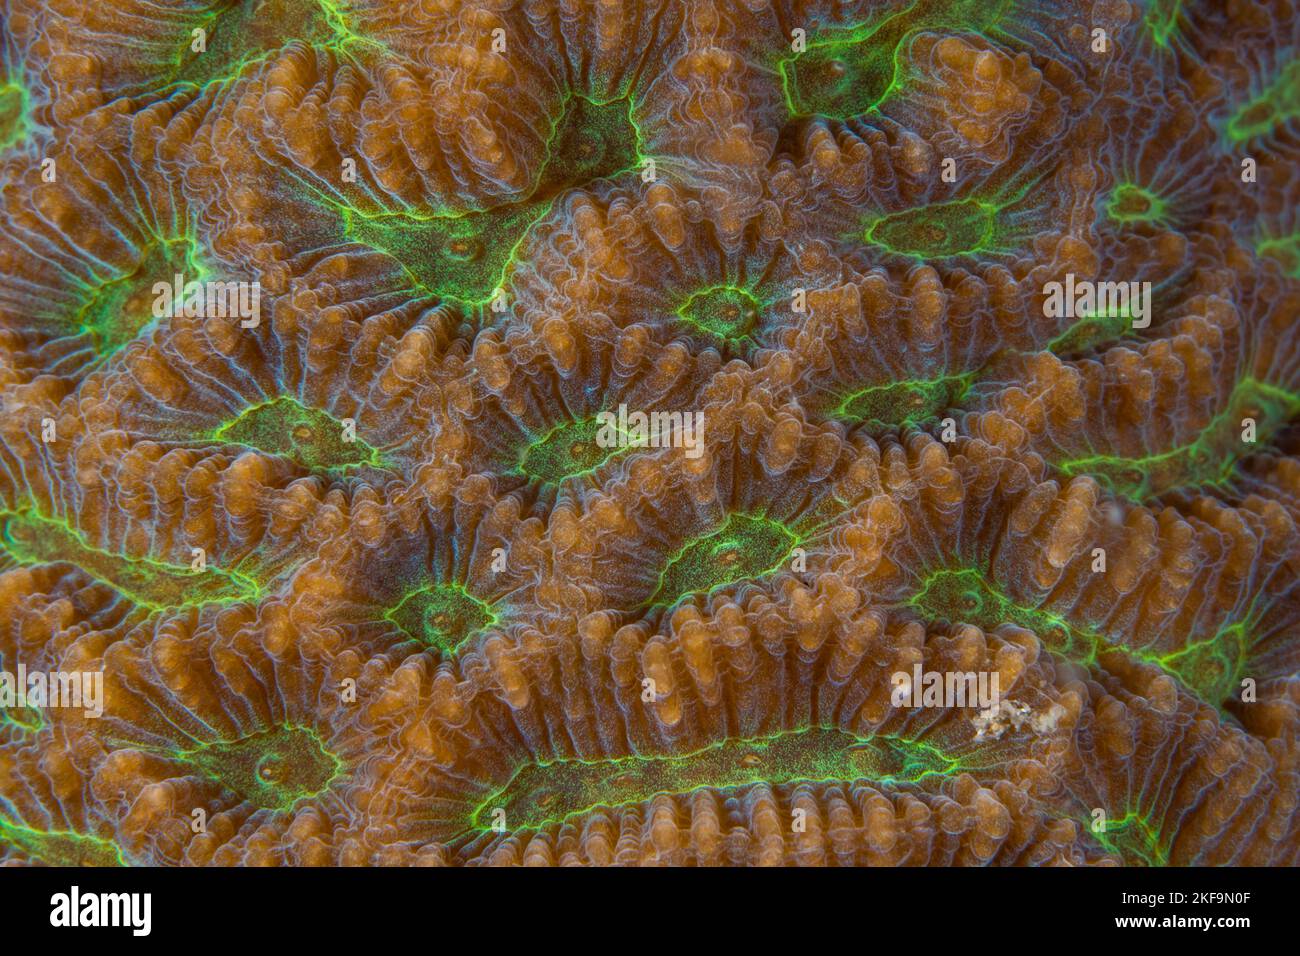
[705, 432]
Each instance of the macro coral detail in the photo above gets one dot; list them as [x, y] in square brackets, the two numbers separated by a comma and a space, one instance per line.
[667, 432]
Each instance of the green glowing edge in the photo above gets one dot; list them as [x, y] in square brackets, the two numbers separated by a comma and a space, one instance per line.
[1282, 99]
[192, 268]
[9, 718]
[1158, 213]
[655, 601]
[394, 614]
[27, 840]
[375, 458]
[951, 389]
[758, 305]
[614, 453]
[1162, 21]
[1130, 837]
[539, 208]
[194, 758]
[989, 14]
[335, 20]
[244, 588]
[1283, 249]
[1105, 468]
[950, 766]
[22, 123]
[1084, 645]
[990, 243]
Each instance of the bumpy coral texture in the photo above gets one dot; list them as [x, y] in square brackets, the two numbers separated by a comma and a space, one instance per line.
[431, 620]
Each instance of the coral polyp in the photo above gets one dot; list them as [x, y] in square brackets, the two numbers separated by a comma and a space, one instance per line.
[570, 449]
[30, 538]
[540, 793]
[310, 436]
[13, 114]
[441, 615]
[745, 546]
[722, 311]
[273, 769]
[850, 70]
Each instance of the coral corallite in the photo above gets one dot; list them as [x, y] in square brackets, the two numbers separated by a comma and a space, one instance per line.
[552, 432]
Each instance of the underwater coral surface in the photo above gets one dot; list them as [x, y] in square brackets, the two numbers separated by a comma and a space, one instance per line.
[689, 432]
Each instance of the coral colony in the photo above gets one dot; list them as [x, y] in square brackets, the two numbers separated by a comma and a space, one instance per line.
[700, 432]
